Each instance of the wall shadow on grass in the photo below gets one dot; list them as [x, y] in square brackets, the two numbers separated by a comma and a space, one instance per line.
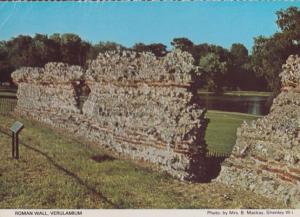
[78, 180]
[101, 158]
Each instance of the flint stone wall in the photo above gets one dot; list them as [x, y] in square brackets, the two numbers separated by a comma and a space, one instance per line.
[139, 106]
[48, 89]
[266, 157]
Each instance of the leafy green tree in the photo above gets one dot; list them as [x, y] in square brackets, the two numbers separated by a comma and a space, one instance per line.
[213, 70]
[289, 22]
[45, 51]
[208, 52]
[241, 74]
[38, 50]
[183, 44]
[74, 51]
[239, 54]
[5, 67]
[157, 49]
[268, 56]
[21, 51]
[53, 44]
[269, 53]
[103, 47]
[223, 56]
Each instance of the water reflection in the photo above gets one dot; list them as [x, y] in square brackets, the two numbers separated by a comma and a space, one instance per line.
[256, 105]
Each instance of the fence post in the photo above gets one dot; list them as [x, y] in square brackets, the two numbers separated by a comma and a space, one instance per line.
[13, 145]
[17, 145]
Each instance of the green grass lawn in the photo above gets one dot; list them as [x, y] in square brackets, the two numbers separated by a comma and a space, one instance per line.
[221, 131]
[56, 171]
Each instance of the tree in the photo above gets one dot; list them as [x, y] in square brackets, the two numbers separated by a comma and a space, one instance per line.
[74, 51]
[201, 50]
[240, 75]
[239, 54]
[36, 51]
[5, 67]
[213, 71]
[269, 53]
[289, 22]
[21, 51]
[54, 48]
[219, 56]
[45, 50]
[158, 49]
[103, 47]
[239, 60]
[183, 44]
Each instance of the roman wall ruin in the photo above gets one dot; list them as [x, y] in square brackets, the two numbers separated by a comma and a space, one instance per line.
[139, 106]
[146, 108]
[266, 157]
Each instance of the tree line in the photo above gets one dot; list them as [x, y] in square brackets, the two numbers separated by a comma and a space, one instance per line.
[222, 69]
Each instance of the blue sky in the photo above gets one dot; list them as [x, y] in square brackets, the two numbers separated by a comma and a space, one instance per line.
[221, 23]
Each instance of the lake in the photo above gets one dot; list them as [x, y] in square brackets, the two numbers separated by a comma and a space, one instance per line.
[256, 105]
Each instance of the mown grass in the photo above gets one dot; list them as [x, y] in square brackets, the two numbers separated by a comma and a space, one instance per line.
[56, 171]
[221, 131]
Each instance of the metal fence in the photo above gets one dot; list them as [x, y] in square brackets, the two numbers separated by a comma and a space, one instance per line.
[212, 154]
[7, 105]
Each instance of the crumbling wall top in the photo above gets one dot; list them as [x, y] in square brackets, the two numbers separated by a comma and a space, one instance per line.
[290, 76]
[121, 66]
[52, 73]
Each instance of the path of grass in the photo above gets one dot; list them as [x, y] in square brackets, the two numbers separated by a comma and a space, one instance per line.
[55, 171]
[221, 131]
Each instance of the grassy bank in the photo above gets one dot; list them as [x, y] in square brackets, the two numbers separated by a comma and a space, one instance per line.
[55, 171]
[221, 131]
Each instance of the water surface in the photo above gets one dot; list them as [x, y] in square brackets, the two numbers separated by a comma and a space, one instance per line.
[256, 105]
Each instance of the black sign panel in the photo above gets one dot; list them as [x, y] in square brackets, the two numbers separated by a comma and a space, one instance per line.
[17, 127]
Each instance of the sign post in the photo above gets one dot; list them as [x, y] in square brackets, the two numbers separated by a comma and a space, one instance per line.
[16, 129]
